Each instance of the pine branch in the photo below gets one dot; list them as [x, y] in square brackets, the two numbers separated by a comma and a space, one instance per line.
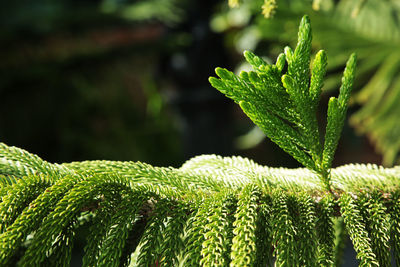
[337, 109]
[283, 232]
[151, 242]
[67, 209]
[140, 172]
[377, 222]
[172, 244]
[284, 105]
[18, 195]
[307, 235]
[325, 232]
[30, 219]
[61, 252]
[395, 227]
[357, 231]
[270, 209]
[121, 224]
[195, 234]
[263, 234]
[340, 241]
[218, 233]
[18, 162]
[244, 240]
[6, 181]
[100, 224]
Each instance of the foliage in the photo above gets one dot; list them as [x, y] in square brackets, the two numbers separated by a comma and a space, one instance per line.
[167, 11]
[369, 28]
[212, 211]
[284, 103]
[84, 80]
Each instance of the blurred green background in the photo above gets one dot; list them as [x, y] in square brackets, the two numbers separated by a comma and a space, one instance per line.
[128, 80]
[121, 80]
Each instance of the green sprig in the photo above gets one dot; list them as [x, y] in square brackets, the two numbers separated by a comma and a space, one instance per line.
[284, 104]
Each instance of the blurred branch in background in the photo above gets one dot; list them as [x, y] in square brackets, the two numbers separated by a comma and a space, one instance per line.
[77, 79]
[169, 12]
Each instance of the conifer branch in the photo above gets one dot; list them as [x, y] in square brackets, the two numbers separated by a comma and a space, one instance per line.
[66, 209]
[29, 220]
[18, 162]
[172, 243]
[283, 232]
[218, 234]
[61, 252]
[377, 223]
[152, 238]
[139, 172]
[213, 211]
[284, 104]
[122, 223]
[101, 223]
[238, 205]
[195, 234]
[395, 227]
[340, 241]
[356, 228]
[264, 247]
[306, 231]
[244, 240]
[22, 192]
[325, 232]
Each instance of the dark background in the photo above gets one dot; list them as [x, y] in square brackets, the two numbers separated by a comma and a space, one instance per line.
[83, 80]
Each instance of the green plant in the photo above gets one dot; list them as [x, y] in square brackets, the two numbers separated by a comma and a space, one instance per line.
[284, 105]
[369, 28]
[213, 211]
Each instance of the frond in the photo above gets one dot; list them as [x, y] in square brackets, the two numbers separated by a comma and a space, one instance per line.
[284, 232]
[18, 162]
[395, 227]
[283, 104]
[31, 217]
[358, 233]
[264, 247]
[244, 241]
[307, 235]
[139, 172]
[172, 244]
[325, 232]
[369, 28]
[195, 233]
[239, 213]
[340, 240]
[378, 227]
[218, 234]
